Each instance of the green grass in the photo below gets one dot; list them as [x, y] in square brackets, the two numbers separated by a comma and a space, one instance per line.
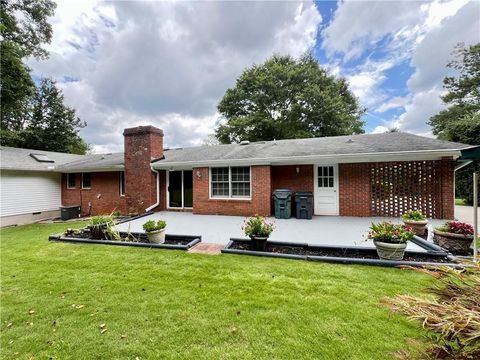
[173, 305]
[461, 202]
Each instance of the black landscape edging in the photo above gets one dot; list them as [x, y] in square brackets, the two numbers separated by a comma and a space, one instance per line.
[134, 218]
[195, 240]
[431, 250]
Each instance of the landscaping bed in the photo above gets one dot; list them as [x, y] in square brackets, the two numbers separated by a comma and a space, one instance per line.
[179, 242]
[347, 255]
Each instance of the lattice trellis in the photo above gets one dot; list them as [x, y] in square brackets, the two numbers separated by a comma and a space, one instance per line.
[397, 187]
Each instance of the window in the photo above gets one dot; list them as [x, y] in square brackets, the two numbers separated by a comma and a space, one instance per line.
[325, 177]
[122, 183]
[71, 183]
[233, 182]
[86, 180]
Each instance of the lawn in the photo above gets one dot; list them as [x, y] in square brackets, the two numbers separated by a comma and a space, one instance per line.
[173, 305]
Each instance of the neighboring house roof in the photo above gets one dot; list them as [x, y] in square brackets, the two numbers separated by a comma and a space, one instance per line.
[97, 162]
[22, 159]
[353, 148]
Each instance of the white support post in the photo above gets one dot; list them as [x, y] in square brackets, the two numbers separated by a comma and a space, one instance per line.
[475, 215]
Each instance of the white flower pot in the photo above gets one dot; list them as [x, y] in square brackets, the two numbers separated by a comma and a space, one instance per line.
[157, 236]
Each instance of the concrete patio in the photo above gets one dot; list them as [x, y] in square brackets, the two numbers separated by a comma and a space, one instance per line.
[217, 229]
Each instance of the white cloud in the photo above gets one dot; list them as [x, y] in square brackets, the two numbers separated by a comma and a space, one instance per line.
[419, 32]
[164, 63]
[394, 103]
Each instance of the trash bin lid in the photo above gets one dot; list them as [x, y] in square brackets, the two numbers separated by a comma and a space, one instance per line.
[69, 206]
[282, 194]
[303, 193]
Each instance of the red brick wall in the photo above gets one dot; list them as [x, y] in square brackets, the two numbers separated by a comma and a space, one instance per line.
[286, 177]
[446, 167]
[142, 145]
[260, 202]
[105, 184]
[354, 189]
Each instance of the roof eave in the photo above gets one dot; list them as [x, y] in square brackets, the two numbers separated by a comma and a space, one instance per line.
[312, 159]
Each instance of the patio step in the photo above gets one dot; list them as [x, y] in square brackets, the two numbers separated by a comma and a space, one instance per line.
[207, 248]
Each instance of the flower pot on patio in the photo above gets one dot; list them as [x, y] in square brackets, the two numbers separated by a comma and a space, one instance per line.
[157, 236]
[454, 236]
[390, 251]
[418, 227]
[455, 243]
[416, 220]
[155, 231]
[390, 240]
[258, 243]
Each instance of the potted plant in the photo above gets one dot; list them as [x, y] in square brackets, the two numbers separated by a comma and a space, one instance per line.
[155, 231]
[99, 225]
[258, 229]
[454, 236]
[416, 220]
[390, 240]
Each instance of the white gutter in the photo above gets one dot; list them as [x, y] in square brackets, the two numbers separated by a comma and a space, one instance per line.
[158, 191]
[310, 159]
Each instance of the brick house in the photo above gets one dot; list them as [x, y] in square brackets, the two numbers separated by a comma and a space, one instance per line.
[359, 175]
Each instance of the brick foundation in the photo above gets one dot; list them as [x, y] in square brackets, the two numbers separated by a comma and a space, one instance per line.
[259, 203]
[105, 184]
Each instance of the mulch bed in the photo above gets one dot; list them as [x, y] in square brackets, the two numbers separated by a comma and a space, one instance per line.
[335, 252]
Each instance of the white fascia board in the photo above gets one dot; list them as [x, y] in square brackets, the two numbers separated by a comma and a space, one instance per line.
[91, 170]
[315, 159]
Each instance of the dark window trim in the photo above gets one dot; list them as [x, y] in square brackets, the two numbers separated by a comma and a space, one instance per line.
[87, 187]
[74, 180]
[122, 183]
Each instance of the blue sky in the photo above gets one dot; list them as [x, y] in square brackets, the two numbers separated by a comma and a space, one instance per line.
[124, 64]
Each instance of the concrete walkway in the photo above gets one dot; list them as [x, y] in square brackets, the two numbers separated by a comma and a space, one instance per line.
[465, 213]
[217, 229]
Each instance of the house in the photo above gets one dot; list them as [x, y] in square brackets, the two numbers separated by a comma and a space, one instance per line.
[359, 175]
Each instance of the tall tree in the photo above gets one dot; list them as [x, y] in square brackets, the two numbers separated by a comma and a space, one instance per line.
[460, 121]
[285, 98]
[23, 29]
[53, 126]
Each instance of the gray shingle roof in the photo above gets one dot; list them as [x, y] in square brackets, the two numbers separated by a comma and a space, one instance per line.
[20, 159]
[97, 162]
[337, 145]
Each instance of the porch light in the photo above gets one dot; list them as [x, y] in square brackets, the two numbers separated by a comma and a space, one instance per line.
[297, 169]
[199, 174]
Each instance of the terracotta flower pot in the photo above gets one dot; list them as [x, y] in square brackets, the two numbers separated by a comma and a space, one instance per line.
[455, 243]
[418, 226]
[258, 243]
[157, 236]
[390, 251]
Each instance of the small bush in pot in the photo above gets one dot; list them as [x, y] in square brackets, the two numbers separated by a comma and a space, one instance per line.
[99, 226]
[390, 239]
[155, 231]
[454, 236]
[258, 229]
[416, 220]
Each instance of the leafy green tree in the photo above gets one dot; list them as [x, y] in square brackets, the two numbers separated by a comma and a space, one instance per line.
[285, 98]
[23, 29]
[53, 126]
[460, 121]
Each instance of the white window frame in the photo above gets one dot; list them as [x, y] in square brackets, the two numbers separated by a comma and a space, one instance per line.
[121, 183]
[229, 197]
[84, 187]
[68, 182]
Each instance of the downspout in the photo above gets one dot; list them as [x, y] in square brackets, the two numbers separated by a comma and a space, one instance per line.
[158, 190]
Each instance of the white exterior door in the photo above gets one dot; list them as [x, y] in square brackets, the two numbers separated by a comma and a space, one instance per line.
[326, 189]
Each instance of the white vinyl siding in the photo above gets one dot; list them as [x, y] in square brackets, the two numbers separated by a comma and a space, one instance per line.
[26, 192]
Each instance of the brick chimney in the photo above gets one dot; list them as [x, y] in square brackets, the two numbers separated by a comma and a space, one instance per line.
[142, 144]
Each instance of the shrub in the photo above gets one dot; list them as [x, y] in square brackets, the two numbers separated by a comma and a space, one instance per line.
[390, 233]
[257, 226]
[152, 225]
[452, 316]
[100, 220]
[414, 215]
[456, 227]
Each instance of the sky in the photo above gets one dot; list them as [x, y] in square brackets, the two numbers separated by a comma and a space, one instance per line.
[128, 63]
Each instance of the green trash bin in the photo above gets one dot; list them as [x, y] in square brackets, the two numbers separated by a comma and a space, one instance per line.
[282, 200]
